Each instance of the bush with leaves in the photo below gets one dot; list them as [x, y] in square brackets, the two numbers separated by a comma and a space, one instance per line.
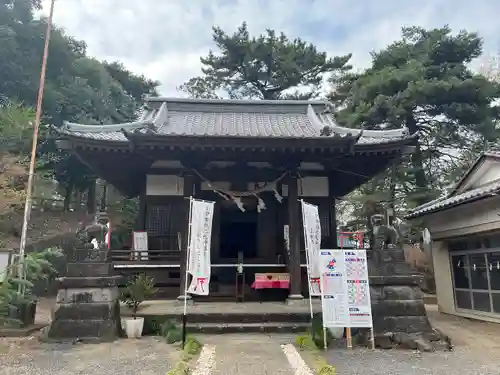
[137, 290]
[16, 290]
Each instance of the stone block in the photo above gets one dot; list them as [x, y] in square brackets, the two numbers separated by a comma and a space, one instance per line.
[85, 311]
[89, 282]
[398, 308]
[102, 330]
[87, 255]
[401, 292]
[89, 269]
[406, 324]
[86, 314]
[87, 295]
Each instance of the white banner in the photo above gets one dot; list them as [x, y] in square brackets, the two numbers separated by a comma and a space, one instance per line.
[312, 242]
[345, 289]
[200, 235]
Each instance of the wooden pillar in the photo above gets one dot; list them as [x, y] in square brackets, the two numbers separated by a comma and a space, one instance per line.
[294, 228]
[141, 215]
[332, 213]
[188, 191]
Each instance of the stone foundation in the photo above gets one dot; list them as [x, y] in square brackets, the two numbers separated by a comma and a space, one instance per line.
[87, 305]
[86, 309]
[399, 315]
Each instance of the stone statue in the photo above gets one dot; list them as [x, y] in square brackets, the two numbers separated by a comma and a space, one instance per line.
[384, 236]
[94, 235]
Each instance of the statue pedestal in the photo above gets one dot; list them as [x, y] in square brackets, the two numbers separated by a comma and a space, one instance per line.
[399, 315]
[87, 305]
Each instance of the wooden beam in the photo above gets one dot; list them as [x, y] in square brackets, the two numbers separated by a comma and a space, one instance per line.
[332, 213]
[250, 174]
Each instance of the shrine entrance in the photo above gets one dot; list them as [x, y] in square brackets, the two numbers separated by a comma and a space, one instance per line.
[238, 234]
[237, 244]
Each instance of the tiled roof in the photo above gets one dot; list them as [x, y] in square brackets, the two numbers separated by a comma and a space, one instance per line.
[238, 118]
[448, 201]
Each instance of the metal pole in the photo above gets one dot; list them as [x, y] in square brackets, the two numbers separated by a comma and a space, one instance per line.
[27, 205]
[188, 256]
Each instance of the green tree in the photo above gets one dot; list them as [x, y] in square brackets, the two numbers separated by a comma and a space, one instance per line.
[423, 82]
[270, 66]
[77, 88]
[16, 128]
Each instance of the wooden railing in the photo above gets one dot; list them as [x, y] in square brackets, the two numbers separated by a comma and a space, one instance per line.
[150, 256]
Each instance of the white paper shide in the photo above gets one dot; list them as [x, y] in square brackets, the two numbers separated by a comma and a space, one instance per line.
[312, 242]
[199, 266]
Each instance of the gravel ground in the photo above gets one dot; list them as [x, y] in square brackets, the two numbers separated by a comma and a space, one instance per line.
[476, 352]
[146, 356]
[399, 362]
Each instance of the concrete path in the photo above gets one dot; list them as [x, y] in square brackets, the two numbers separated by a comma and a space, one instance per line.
[249, 354]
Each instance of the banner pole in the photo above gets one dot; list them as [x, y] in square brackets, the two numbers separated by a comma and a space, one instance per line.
[188, 251]
[322, 296]
[308, 261]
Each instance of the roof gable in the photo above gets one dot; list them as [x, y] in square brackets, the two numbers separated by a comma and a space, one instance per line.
[485, 170]
[482, 180]
[292, 119]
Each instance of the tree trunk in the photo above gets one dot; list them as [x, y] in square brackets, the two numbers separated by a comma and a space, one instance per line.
[418, 165]
[67, 196]
[91, 198]
[392, 203]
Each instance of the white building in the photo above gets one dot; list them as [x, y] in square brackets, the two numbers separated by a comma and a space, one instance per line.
[465, 230]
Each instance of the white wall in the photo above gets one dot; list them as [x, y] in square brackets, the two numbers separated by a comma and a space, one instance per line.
[480, 216]
[310, 187]
[442, 276]
[157, 184]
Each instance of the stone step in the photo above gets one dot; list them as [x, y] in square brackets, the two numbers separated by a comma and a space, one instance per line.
[236, 318]
[430, 299]
[269, 327]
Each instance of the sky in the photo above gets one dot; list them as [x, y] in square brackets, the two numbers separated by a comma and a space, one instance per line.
[164, 39]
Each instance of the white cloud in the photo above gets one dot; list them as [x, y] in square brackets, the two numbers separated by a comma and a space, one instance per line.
[164, 39]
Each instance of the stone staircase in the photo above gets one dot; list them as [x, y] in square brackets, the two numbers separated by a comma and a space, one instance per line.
[248, 323]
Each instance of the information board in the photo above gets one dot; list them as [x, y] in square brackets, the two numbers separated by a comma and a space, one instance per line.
[345, 290]
[333, 288]
[140, 245]
[358, 289]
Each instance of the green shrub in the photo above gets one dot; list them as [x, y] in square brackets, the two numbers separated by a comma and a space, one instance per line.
[305, 342]
[327, 370]
[137, 290]
[317, 332]
[182, 368]
[168, 326]
[173, 336]
[192, 346]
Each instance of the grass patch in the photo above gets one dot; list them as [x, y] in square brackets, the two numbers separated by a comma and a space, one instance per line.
[306, 344]
[192, 347]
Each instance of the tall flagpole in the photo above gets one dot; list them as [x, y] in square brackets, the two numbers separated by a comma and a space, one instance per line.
[29, 189]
